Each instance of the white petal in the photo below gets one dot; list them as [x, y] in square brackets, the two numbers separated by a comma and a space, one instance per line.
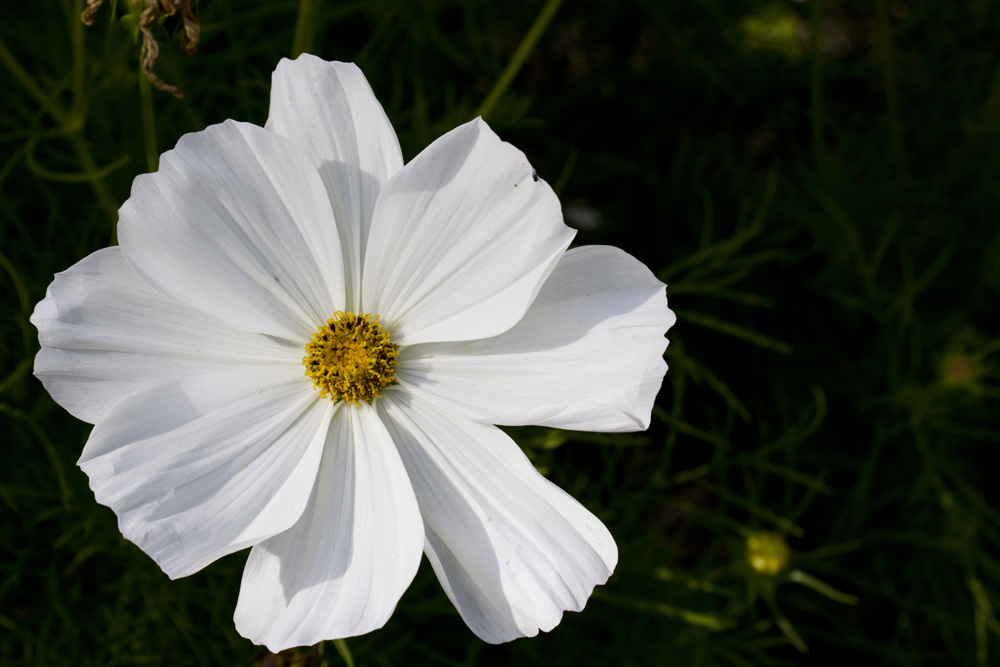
[462, 239]
[511, 549]
[342, 568]
[587, 355]
[106, 334]
[330, 112]
[237, 223]
[200, 467]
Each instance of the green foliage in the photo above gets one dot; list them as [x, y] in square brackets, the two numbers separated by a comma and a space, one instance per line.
[818, 182]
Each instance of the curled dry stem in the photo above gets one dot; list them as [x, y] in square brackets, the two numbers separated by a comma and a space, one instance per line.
[150, 48]
[89, 15]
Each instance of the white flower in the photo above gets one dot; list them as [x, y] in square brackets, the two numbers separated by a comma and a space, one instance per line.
[186, 346]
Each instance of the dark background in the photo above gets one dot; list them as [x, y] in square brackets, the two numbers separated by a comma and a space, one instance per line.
[819, 184]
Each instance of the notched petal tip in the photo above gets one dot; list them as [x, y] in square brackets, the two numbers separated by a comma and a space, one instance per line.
[340, 571]
[512, 550]
[328, 109]
[462, 240]
[587, 355]
[199, 467]
[237, 223]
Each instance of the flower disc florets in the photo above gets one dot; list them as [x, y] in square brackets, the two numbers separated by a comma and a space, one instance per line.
[350, 358]
[767, 552]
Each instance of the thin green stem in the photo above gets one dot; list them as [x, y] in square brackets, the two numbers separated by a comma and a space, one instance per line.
[148, 122]
[104, 199]
[786, 626]
[306, 26]
[47, 447]
[15, 375]
[24, 301]
[344, 651]
[520, 55]
[10, 62]
[239, 65]
[69, 177]
[821, 587]
[74, 124]
[755, 510]
[70, 124]
[887, 53]
[735, 330]
[76, 121]
[687, 429]
[697, 618]
[78, 110]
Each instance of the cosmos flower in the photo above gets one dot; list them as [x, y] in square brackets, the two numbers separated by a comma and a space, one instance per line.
[303, 346]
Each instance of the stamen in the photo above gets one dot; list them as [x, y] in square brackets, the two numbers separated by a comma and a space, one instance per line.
[351, 358]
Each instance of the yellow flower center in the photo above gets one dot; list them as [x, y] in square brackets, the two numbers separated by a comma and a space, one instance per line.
[350, 358]
[958, 369]
[767, 552]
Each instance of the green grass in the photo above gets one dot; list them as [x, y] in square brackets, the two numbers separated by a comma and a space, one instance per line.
[819, 183]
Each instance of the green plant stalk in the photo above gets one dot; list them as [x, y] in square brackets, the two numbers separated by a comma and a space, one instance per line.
[22, 292]
[700, 619]
[79, 108]
[887, 53]
[24, 301]
[69, 177]
[678, 383]
[104, 199]
[148, 122]
[687, 429]
[786, 626]
[755, 510]
[239, 60]
[384, 33]
[344, 651]
[520, 55]
[47, 447]
[100, 188]
[566, 172]
[306, 25]
[71, 126]
[10, 62]
[720, 252]
[824, 589]
[734, 330]
[15, 375]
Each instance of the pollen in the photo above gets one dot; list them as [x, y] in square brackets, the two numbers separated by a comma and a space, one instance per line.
[350, 358]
